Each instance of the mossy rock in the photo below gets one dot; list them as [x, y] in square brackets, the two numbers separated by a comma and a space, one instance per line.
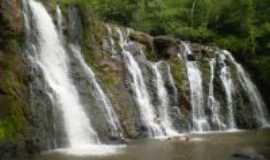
[166, 47]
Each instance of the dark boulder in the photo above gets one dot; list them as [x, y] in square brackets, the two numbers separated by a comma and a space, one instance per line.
[142, 38]
[12, 151]
[191, 57]
[247, 154]
[200, 50]
[166, 47]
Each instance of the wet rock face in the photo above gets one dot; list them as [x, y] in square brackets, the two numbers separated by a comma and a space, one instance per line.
[10, 16]
[166, 47]
[203, 51]
[14, 87]
[110, 73]
[143, 38]
[10, 151]
[40, 111]
[74, 27]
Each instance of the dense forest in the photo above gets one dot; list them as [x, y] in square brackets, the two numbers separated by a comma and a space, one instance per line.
[241, 26]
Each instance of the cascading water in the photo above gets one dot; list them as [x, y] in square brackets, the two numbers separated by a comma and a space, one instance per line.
[111, 41]
[106, 107]
[212, 103]
[111, 116]
[147, 111]
[59, 21]
[172, 82]
[53, 60]
[46, 49]
[163, 107]
[199, 118]
[227, 82]
[255, 98]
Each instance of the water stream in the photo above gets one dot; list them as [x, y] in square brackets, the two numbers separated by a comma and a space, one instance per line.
[53, 60]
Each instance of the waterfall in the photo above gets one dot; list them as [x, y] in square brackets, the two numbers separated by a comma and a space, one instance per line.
[172, 82]
[100, 96]
[107, 107]
[212, 103]
[147, 111]
[146, 108]
[58, 57]
[163, 97]
[111, 41]
[227, 82]
[53, 60]
[254, 95]
[59, 21]
[199, 118]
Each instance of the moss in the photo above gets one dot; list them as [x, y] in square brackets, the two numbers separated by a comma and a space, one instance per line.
[13, 85]
[93, 33]
[7, 129]
[150, 55]
[178, 72]
[92, 40]
[205, 71]
[14, 122]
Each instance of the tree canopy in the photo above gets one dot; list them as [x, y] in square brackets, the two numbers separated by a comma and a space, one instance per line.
[239, 25]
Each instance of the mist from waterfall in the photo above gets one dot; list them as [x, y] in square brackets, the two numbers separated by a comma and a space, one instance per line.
[51, 56]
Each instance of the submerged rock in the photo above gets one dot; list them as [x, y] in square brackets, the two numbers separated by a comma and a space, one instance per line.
[247, 154]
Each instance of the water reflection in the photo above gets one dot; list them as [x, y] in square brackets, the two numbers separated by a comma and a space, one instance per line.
[214, 146]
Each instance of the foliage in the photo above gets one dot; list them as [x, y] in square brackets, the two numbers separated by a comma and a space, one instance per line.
[227, 23]
[240, 26]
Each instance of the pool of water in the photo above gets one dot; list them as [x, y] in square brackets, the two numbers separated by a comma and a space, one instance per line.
[211, 146]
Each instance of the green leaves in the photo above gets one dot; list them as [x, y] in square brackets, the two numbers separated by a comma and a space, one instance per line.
[220, 21]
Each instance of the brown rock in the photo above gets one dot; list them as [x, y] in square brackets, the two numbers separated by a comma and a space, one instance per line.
[142, 38]
[166, 46]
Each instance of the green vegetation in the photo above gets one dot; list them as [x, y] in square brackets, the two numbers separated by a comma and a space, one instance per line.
[12, 77]
[12, 100]
[241, 26]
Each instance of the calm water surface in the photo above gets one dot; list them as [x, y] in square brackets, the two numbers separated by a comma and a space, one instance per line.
[212, 146]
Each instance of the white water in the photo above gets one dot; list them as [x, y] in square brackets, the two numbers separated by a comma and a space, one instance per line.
[111, 40]
[54, 62]
[91, 150]
[106, 105]
[163, 96]
[146, 109]
[212, 103]
[254, 95]
[226, 79]
[199, 118]
[172, 82]
[59, 21]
